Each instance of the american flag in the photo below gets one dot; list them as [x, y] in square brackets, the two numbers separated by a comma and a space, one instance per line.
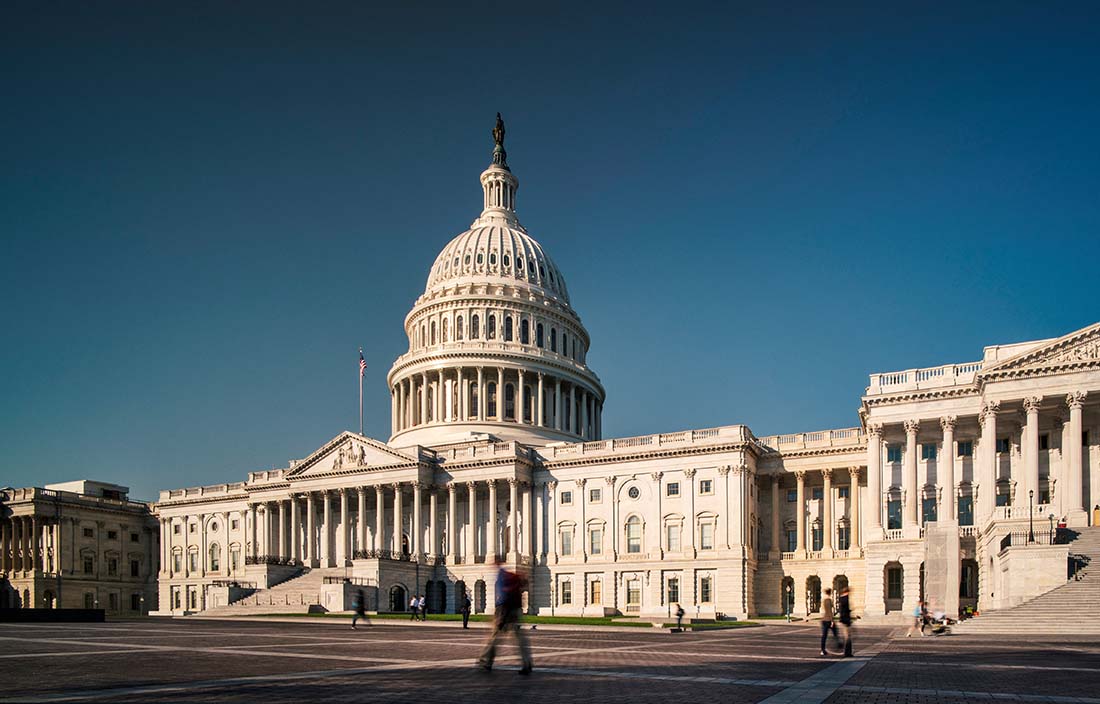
[362, 364]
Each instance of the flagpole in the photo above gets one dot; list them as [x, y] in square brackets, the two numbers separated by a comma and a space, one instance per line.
[360, 393]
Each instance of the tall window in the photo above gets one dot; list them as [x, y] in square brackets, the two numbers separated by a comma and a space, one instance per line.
[538, 335]
[672, 538]
[706, 536]
[566, 541]
[928, 451]
[843, 537]
[928, 509]
[491, 328]
[672, 590]
[595, 592]
[446, 330]
[135, 568]
[234, 559]
[177, 563]
[433, 333]
[817, 536]
[634, 535]
[509, 402]
[553, 339]
[193, 560]
[792, 540]
[893, 583]
[492, 399]
[633, 593]
[524, 332]
[507, 328]
[112, 566]
[566, 592]
[966, 510]
[595, 541]
[893, 514]
[564, 343]
[215, 557]
[893, 453]
[706, 589]
[459, 328]
[475, 326]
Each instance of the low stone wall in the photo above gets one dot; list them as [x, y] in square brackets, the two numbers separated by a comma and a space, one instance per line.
[52, 616]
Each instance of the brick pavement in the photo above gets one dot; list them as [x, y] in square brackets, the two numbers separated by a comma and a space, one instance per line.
[224, 661]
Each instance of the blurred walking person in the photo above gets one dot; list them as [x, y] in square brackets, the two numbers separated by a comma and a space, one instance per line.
[360, 608]
[509, 601]
[827, 623]
[414, 605]
[844, 614]
[422, 608]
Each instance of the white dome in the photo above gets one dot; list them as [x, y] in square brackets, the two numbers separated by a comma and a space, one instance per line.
[497, 253]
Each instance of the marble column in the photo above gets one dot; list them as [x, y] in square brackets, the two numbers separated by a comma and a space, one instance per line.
[281, 552]
[379, 518]
[776, 546]
[800, 515]
[520, 399]
[827, 522]
[1073, 493]
[500, 394]
[909, 479]
[461, 412]
[540, 413]
[342, 556]
[311, 531]
[440, 402]
[874, 482]
[573, 409]
[584, 416]
[471, 523]
[5, 538]
[295, 529]
[987, 481]
[491, 544]
[327, 556]
[481, 393]
[513, 505]
[946, 470]
[529, 522]
[451, 535]
[1031, 453]
[557, 405]
[398, 519]
[855, 516]
[414, 546]
[423, 398]
[360, 521]
[433, 522]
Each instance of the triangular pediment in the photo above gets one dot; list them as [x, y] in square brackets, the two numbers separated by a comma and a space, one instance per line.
[1077, 350]
[348, 452]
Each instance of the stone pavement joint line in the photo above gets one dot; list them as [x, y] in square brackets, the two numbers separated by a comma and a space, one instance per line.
[820, 686]
[965, 694]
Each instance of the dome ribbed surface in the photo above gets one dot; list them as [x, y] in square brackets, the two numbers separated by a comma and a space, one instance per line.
[495, 252]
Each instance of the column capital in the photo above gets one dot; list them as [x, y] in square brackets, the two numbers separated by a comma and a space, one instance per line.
[855, 473]
[418, 485]
[827, 473]
[471, 486]
[396, 486]
[552, 484]
[689, 472]
[948, 423]
[580, 482]
[611, 480]
[1032, 403]
[1076, 399]
[361, 490]
[776, 478]
[725, 469]
[800, 475]
[451, 488]
[911, 427]
[657, 476]
[512, 481]
[989, 408]
[874, 430]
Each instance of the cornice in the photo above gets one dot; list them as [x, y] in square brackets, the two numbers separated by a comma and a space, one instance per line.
[1040, 371]
[812, 452]
[581, 461]
[401, 368]
[922, 395]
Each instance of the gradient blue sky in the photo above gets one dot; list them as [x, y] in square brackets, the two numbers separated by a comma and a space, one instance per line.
[206, 208]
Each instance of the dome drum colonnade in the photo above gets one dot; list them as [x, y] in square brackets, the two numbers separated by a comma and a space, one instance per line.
[494, 345]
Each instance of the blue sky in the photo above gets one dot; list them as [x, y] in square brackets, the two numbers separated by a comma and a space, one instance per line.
[208, 207]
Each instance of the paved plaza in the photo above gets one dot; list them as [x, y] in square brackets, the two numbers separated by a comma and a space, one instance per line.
[243, 661]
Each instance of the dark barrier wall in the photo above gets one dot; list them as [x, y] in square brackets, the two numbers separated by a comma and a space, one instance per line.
[51, 616]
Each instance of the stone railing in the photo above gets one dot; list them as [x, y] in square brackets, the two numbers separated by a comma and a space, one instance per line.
[891, 534]
[823, 438]
[732, 433]
[786, 555]
[489, 347]
[272, 560]
[968, 531]
[267, 475]
[926, 378]
[1010, 512]
[203, 491]
[471, 452]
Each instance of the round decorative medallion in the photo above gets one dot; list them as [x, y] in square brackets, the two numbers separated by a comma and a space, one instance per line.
[633, 492]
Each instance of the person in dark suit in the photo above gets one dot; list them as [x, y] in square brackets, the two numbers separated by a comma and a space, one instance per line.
[845, 616]
[466, 610]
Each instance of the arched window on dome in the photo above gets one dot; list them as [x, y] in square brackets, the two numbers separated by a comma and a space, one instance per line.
[423, 335]
[492, 259]
[574, 348]
[507, 328]
[553, 339]
[475, 327]
[524, 332]
[529, 401]
[538, 335]
[519, 263]
[509, 402]
[459, 328]
[491, 398]
[473, 412]
[446, 331]
[480, 258]
[430, 393]
[507, 261]
[466, 261]
[564, 344]
[433, 334]
[491, 328]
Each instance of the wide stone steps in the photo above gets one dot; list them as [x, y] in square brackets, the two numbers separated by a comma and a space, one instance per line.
[1068, 609]
[296, 595]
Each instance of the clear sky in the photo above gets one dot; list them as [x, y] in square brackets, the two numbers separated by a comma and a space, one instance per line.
[206, 208]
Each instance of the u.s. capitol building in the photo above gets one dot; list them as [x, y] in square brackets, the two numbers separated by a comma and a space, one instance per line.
[496, 448]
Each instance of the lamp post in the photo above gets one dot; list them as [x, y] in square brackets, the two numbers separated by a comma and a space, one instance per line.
[1031, 515]
[790, 588]
[1051, 534]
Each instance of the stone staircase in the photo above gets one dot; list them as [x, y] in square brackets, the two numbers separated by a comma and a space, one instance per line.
[1068, 609]
[300, 594]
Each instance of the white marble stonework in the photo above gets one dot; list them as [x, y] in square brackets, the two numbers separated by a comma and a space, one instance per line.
[497, 449]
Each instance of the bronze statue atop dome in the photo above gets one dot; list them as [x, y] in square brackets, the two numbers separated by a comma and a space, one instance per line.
[498, 131]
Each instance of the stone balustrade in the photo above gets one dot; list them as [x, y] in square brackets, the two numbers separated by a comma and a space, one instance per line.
[925, 378]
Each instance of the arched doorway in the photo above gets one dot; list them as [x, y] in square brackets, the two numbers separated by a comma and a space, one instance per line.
[840, 583]
[437, 596]
[893, 576]
[479, 596]
[813, 594]
[48, 598]
[786, 594]
[398, 598]
[405, 545]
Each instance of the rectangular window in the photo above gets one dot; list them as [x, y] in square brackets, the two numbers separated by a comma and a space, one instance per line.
[817, 493]
[192, 528]
[672, 539]
[633, 594]
[112, 535]
[595, 541]
[89, 564]
[672, 590]
[193, 558]
[843, 537]
[112, 601]
[706, 487]
[1002, 444]
[843, 492]
[112, 566]
[893, 453]
[135, 568]
[893, 583]
[567, 542]
[706, 536]
[966, 448]
[792, 541]
[1002, 498]
[705, 590]
[966, 510]
[595, 592]
[135, 602]
[928, 509]
[135, 538]
[175, 529]
[234, 559]
[893, 514]
[89, 533]
[817, 536]
[595, 496]
[233, 524]
[968, 581]
[566, 498]
[672, 489]
[1044, 441]
[176, 598]
[177, 563]
[193, 599]
[566, 592]
[792, 495]
[928, 451]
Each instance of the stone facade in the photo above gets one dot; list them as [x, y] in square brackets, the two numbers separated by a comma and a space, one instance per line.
[497, 449]
[80, 544]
